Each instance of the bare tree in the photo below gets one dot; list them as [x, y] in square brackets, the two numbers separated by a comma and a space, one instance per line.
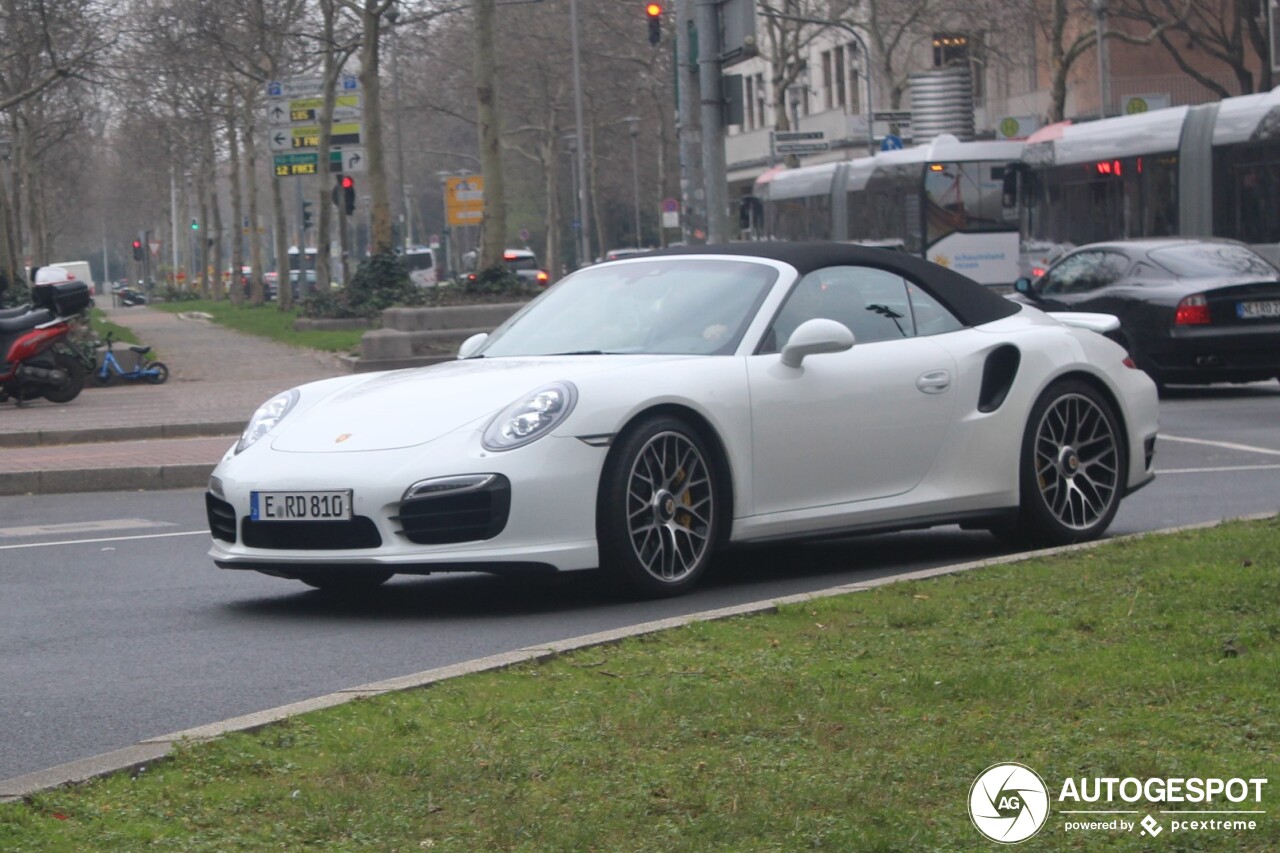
[1232, 32]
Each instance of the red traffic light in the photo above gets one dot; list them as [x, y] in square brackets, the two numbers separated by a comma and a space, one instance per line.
[348, 182]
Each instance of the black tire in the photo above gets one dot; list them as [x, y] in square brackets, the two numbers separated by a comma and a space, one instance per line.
[70, 389]
[345, 580]
[659, 513]
[1072, 471]
[161, 374]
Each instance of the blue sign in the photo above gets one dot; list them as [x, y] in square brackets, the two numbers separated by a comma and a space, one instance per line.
[274, 89]
[891, 143]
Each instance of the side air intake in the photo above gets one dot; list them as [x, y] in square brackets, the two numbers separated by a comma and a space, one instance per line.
[997, 377]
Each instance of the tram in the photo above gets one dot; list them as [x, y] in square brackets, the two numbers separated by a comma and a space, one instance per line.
[954, 203]
[1211, 170]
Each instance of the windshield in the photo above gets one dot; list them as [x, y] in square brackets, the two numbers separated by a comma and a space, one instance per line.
[668, 305]
[1212, 259]
[526, 262]
[418, 261]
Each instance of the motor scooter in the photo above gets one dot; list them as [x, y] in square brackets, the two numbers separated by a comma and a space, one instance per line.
[129, 297]
[30, 366]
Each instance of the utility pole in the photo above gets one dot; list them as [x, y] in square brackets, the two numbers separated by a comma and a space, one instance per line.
[689, 127]
[715, 178]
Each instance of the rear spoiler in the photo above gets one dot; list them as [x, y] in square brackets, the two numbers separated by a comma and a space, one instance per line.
[1100, 323]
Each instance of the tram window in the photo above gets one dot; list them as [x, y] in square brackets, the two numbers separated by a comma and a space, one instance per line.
[1246, 185]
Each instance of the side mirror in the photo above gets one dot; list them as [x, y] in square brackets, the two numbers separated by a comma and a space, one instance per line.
[1023, 286]
[471, 344]
[813, 337]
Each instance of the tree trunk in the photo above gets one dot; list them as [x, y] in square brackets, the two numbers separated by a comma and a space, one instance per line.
[237, 208]
[251, 180]
[216, 290]
[284, 286]
[324, 208]
[381, 238]
[493, 224]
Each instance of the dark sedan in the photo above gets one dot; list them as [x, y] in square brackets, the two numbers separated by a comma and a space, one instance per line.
[1191, 311]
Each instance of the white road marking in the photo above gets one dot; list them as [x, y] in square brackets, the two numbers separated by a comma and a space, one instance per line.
[83, 527]
[1225, 445]
[114, 539]
[1218, 470]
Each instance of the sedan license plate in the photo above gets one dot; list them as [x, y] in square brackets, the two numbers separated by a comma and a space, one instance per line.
[300, 506]
[1268, 308]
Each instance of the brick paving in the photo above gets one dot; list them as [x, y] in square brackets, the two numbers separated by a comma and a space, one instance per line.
[218, 377]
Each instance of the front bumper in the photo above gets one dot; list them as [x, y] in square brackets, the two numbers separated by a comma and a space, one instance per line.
[542, 514]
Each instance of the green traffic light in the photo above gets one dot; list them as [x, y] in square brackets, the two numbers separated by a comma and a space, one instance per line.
[195, 225]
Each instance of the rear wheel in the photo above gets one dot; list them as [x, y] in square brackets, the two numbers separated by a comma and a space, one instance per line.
[74, 383]
[344, 580]
[157, 373]
[659, 513]
[1073, 467]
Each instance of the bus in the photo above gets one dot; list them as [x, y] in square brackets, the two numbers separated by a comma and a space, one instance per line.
[1211, 170]
[954, 203]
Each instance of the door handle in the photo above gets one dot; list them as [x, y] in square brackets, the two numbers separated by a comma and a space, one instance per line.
[934, 382]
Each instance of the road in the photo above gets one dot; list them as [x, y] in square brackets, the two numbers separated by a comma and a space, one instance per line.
[115, 626]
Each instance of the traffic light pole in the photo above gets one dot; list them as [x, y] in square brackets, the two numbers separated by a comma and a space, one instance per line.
[715, 176]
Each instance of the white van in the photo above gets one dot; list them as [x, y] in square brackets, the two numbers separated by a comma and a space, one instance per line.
[421, 262]
[80, 271]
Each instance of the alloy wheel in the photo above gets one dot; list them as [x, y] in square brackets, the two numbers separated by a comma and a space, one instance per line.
[1077, 461]
[670, 506]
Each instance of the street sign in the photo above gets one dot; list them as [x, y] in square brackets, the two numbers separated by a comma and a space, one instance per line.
[307, 110]
[301, 87]
[464, 200]
[798, 135]
[288, 165]
[891, 143]
[348, 160]
[801, 147]
[308, 136]
[154, 246]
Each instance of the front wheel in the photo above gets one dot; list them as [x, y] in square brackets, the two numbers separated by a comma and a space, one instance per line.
[156, 373]
[1073, 467]
[74, 384]
[659, 513]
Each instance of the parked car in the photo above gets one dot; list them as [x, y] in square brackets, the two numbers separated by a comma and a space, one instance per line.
[639, 416]
[618, 254]
[1191, 311]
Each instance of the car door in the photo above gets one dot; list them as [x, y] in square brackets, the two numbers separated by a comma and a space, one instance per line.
[850, 426]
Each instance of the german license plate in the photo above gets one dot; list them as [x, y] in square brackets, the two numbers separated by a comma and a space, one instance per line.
[1258, 309]
[300, 506]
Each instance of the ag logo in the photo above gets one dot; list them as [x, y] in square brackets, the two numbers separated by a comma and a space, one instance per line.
[1008, 803]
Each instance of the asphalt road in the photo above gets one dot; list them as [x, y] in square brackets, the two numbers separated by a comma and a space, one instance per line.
[115, 626]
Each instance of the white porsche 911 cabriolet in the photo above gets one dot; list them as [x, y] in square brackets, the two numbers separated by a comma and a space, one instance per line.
[641, 414]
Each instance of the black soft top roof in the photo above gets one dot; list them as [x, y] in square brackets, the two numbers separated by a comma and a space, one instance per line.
[971, 302]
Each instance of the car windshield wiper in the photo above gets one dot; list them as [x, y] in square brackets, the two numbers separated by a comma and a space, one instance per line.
[584, 352]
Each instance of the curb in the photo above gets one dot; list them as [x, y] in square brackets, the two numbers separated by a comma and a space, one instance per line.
[136, 757]
[148, 477]
[46, 437]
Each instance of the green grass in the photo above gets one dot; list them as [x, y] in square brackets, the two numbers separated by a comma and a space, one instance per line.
[855, 723]
[99, 325]
[268, 321]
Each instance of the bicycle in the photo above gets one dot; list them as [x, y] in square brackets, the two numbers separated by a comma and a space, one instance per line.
[154, 372]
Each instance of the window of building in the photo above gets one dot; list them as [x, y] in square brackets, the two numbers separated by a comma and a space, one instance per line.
[835, 82]
[951, 49]
[761, 119]
[748, 103]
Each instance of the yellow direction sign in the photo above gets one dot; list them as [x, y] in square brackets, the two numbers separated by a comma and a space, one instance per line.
[464, 200]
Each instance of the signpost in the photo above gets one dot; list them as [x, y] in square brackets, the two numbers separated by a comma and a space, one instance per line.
[293, 107]
[799, 141]
[464, 200]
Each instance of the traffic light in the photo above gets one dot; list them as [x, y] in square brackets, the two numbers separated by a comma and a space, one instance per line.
[306, 214]
[137, 250]
[349, 194]
[195, 224]
[654, 13]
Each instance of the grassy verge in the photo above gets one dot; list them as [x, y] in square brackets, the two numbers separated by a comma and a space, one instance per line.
[268, 321]
[99, 326]
[855, 723]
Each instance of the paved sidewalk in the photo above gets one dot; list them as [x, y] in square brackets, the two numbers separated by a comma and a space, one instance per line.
[138, 436]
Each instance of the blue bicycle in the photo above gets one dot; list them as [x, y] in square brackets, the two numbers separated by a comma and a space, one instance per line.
[154, 372]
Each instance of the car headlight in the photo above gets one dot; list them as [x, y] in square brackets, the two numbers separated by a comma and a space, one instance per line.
[268, 415]
[530, 417]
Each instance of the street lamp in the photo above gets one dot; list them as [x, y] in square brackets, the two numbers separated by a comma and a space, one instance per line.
[393, 15]
[1104, 72]
[635, 172]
